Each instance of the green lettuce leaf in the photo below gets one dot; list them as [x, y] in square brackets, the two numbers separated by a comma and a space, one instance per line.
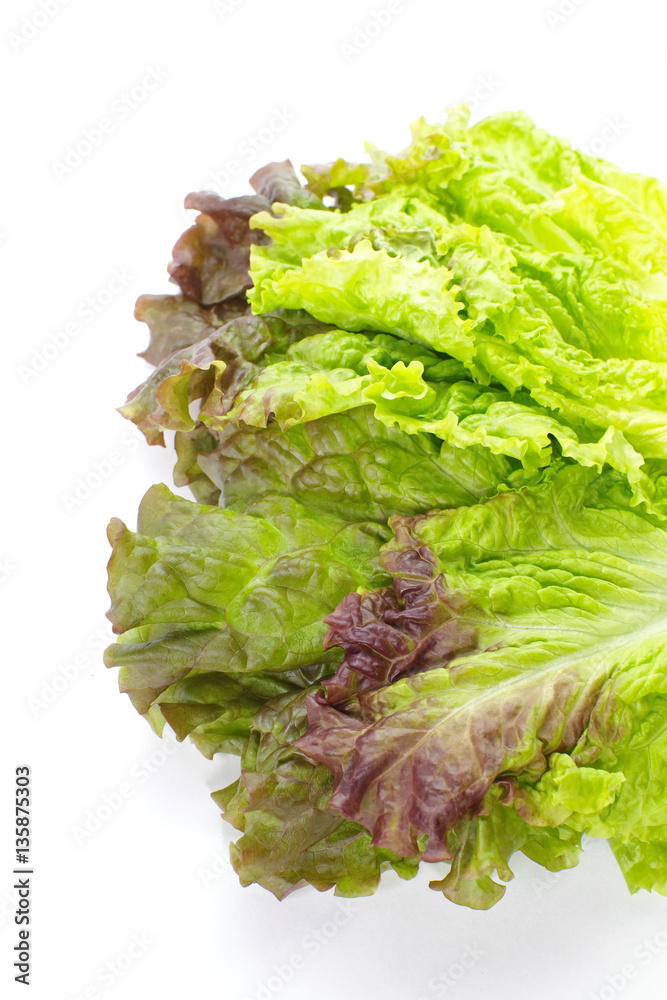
[349, 464]
[206, 589]
[365, 288]
[283, 374]
[540, 269]
[216, 710]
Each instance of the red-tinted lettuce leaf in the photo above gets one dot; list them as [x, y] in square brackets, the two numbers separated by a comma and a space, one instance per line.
[214, 369]
[211, 259]
[562, 592]
[176, 322]
[412, 626]
[290, 835]
[278, 182]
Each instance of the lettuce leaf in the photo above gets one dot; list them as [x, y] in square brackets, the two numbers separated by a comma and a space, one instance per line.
[350, 464]
[510, 653]
[290, 835]
[244, 590]
[210, 261]
[279, 182]
[367, 288]
[286, 370]
[214, 368]
[200, 588]
[176, 323]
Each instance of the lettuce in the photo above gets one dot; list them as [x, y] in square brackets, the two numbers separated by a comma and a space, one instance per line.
[508, 655]
[290, 833]
[210, 261]
[422, 590]
[201, 588]
[493, 245]
[350, 464]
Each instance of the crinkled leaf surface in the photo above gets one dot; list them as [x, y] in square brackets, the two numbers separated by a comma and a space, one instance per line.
[516, 631]
[214, 369]
[290, 835]
[350, 464]
[176, 323]
[207, 589]
[210, 261]
[537, 267]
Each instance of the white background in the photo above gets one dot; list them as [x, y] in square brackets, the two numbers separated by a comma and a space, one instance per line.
[144, 871]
